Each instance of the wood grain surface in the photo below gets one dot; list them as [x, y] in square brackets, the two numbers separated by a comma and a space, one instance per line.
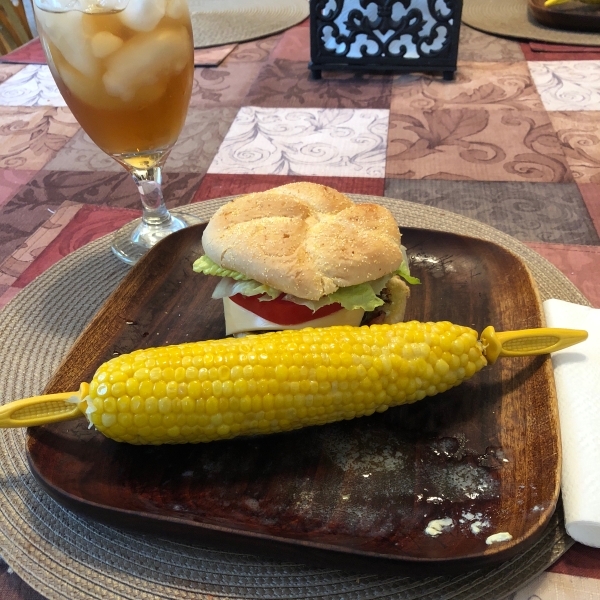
[364, 488]
[574, 15]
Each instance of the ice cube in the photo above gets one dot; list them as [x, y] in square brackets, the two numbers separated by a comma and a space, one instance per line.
[147, 94]
[177, 9]
[145, 60]
[143, 15]
[65, 31]
[90, 91]
[105, 43]
[85, 6]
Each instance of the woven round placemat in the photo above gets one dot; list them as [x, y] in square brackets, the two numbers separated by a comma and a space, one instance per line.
[511, 18]
[68, 557]
[217, 22]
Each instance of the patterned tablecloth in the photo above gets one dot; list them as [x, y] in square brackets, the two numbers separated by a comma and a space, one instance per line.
[514, 142]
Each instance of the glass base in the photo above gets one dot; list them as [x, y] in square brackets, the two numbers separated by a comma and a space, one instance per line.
[133, 240]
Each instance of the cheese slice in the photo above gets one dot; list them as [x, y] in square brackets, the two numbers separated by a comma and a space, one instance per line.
[239, 320]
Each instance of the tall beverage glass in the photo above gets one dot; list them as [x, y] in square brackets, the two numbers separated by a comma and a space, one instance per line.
[125, 69]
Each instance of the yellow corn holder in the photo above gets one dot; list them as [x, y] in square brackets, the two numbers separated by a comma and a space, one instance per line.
[278, 381]
[40, 410]
[528, 342]
[557, 2]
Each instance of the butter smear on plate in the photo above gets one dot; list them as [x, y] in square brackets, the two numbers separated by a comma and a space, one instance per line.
[503, 536]
[434, 528]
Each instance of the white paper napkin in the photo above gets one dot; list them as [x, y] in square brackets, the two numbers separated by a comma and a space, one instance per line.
[577, 375]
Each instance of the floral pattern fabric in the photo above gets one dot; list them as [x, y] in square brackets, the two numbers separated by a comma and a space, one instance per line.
[328, 142]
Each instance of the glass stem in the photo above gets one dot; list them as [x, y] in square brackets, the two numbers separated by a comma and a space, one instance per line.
[149, 184]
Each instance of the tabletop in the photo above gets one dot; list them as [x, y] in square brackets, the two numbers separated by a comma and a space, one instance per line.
[513, 141]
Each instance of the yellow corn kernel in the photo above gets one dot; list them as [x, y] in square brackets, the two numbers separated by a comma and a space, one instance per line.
[276, 381]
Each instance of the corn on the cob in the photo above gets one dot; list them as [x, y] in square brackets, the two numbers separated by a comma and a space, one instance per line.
[278, 381]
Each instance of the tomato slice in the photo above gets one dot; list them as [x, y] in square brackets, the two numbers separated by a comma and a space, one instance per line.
[282, 312]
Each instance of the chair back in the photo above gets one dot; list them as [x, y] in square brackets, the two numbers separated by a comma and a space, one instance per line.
[14, 26]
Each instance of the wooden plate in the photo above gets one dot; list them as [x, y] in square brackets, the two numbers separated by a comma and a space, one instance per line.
[574, 15]
[487, 451]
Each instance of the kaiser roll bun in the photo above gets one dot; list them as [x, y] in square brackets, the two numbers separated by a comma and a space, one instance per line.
[304, 239]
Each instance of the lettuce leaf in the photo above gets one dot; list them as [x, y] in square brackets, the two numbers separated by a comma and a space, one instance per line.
[362, 296]
[357, 296]
[404, 272]
[377, 285]
[209, 267]
[230, 287]
[351, 298]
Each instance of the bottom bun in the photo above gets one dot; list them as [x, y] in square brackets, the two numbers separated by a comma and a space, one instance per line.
[239, 320]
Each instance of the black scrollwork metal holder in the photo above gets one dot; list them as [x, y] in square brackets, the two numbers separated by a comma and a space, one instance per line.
[384, 35]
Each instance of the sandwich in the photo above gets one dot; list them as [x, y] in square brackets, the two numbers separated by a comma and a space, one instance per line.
[304, 255]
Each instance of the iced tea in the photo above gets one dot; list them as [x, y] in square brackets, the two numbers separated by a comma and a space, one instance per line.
[126, 75]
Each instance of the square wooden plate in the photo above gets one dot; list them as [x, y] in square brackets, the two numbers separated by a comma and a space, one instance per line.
[485, 455]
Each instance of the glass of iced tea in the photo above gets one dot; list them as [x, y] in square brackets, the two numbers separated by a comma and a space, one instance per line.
[125, 69]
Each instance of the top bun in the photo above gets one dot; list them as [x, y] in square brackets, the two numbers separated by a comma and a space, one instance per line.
[304, 239]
